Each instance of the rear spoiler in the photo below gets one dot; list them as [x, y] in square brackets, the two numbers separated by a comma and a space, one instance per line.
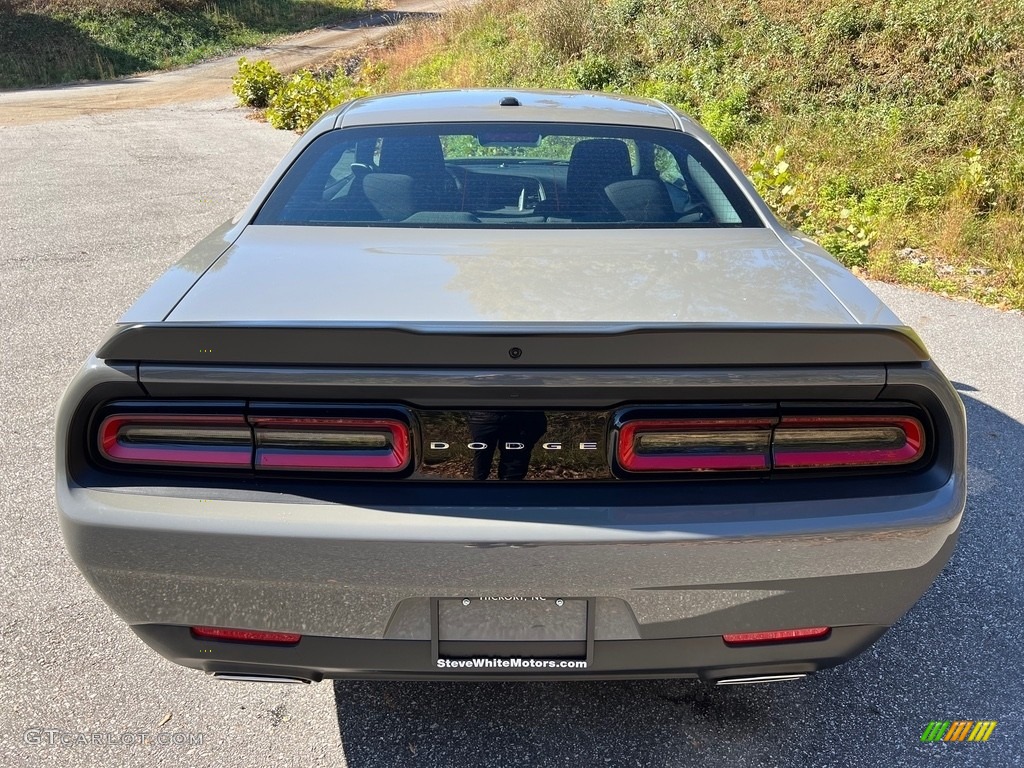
[541, 345]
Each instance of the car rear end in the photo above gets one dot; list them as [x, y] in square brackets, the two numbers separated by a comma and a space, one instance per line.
[722, 521]
[562, 402]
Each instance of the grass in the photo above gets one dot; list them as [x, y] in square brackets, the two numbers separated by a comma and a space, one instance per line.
[61, 41]
[891, 132]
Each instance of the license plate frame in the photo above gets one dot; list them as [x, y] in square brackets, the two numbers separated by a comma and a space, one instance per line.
[577, 643]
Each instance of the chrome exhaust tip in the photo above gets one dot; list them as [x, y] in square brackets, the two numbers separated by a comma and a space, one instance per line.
[241, 678]
[760, 679]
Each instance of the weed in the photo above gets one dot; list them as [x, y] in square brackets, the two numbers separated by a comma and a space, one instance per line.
[776, 183]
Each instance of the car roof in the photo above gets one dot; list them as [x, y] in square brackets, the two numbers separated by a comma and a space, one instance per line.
[485, 105]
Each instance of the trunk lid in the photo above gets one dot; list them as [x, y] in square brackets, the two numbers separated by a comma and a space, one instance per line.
[406, 277]
[486, 298]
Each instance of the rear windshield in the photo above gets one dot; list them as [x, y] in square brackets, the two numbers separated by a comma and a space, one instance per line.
[507, 175]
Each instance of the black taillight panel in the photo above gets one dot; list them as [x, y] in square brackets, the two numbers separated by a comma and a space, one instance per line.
[649, 443]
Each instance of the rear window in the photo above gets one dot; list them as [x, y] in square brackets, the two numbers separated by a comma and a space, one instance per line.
[507, 175]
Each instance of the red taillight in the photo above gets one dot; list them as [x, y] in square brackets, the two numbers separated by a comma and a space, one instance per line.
[340, 443]
[751, 444]
[175, 439]
[803, 442]
[694, 445]
[332, 444]
[777, 636]
[246, 635]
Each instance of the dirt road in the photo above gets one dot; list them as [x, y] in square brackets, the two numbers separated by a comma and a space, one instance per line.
[212, 78]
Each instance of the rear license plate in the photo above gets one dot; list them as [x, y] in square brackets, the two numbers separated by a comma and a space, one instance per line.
[527, 620]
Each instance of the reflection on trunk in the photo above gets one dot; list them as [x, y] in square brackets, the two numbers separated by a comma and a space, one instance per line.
[512, 434]
[513, 445]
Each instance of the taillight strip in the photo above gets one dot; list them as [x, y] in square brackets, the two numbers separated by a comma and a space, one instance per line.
[332, 444]
[805, 442]
[169, 439]
[752, 444]
[233, 441]
[700, 445]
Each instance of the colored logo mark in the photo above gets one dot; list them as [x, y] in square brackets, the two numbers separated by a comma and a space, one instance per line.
[958, 730]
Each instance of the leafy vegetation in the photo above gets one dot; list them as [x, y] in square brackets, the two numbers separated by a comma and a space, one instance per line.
[256, 82]
[305, 96]
[893, 133]
[56, 41]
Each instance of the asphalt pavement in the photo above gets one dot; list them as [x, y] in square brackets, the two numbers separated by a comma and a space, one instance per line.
[93, 209]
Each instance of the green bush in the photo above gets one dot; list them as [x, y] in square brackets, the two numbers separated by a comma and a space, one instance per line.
[305, 96]
[847, 234]
[728, 119]
[567, 27]
[594, 72]
[255, 82]
[299, 102]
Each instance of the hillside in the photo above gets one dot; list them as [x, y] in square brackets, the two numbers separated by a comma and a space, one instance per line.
[892, 132]
[57, 41]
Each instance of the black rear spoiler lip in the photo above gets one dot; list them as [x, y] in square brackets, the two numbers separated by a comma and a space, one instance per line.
[522, 346]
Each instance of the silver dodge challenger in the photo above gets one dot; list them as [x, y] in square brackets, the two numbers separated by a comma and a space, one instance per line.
[509, 384]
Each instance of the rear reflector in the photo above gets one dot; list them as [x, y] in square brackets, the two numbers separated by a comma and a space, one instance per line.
[847, 441]
[332, 444]
[191, 440]
[694, 445]
[778, 636]
[246, 635]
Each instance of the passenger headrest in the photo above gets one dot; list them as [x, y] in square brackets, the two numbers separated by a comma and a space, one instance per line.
[411, 155]
[596, 163]
[392, 195]
[644, 200]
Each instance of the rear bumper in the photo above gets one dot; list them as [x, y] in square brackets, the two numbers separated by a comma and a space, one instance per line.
[356, 572]
[316, 658]
[664, 588]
